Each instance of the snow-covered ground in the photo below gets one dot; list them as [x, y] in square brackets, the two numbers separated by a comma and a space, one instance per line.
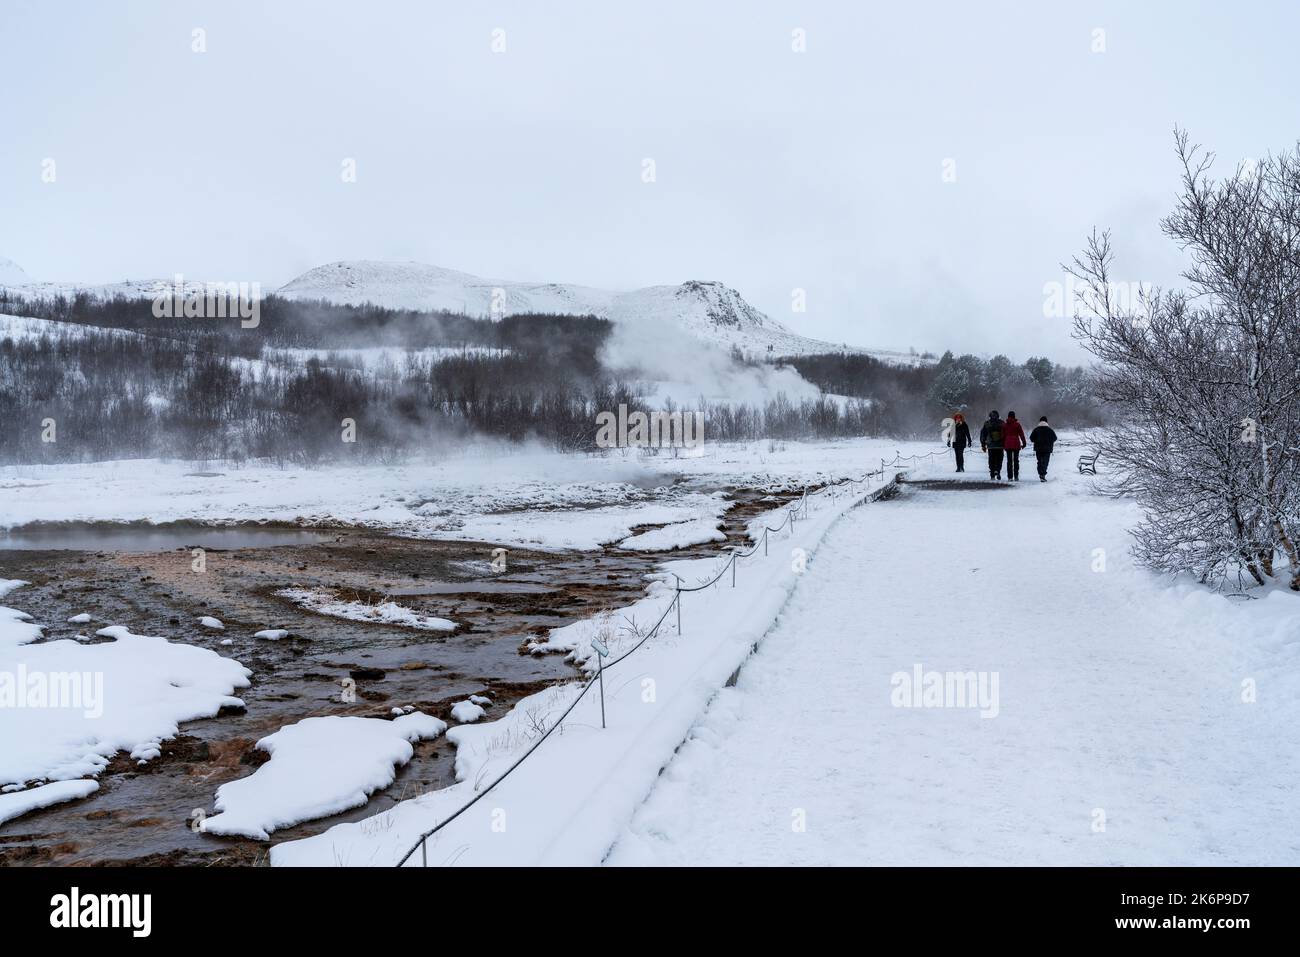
[492, 493]
[568, 802]
[67, 707]
[1124, 719]
[1114, 717]
[1123, 728]
[680, 535]
[135, 691]
[383, 612]
[17, 803]
[318, 767]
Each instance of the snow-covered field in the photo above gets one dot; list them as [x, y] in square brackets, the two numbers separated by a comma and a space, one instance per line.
[132, 692]
[1133, 722]
[567, 804]
[501, 494]
[67, 707]
[1124, 719]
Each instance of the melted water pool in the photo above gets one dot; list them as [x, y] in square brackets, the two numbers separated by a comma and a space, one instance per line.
[112, 537]
[474, 587]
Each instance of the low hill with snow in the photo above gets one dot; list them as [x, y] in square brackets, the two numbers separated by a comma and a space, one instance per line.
[706, 311]
[709, 311]
[15, 281]
[11, 274]
[418, 286]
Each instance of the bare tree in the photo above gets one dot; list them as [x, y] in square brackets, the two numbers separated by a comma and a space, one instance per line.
[1207, 380]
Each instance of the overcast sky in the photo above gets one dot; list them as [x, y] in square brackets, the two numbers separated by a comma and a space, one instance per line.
[774, 170]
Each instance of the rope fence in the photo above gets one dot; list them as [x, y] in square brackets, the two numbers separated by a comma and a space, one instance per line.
[791, 516]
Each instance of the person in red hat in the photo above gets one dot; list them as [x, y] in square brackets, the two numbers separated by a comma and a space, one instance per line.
[960, 441]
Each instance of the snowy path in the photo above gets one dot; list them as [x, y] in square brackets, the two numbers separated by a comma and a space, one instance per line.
[1117, 694]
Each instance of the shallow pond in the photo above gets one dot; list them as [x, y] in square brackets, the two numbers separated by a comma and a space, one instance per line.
[138, 537]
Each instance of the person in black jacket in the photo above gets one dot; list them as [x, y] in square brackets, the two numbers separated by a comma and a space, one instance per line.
[991, 442]
[960, 440]
[1042, 439]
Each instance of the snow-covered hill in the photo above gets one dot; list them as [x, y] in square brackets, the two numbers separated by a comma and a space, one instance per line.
[709, 311]
[11, 274]
[15, 281]
[706, 311]
[419, 286]
[717, 314]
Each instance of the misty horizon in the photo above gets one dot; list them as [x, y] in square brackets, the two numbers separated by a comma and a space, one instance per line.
[922, 193]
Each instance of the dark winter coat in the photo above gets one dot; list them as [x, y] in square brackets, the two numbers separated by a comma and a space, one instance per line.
[961, 436]
[991, 434]
[1043, 438]
[1013, 436]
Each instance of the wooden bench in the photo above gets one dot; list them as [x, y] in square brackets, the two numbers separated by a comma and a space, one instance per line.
[1088, 464]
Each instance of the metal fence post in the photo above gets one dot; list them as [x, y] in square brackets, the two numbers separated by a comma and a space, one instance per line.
[600, 665]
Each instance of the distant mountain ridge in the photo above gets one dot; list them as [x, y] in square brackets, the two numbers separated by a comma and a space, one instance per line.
[11, 274]
[14, 279]
[709, 311]
[706, 310]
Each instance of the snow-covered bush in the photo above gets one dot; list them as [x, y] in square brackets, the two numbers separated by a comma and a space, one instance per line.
[1206, 381]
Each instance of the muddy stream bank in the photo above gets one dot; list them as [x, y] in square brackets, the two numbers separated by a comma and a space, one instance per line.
[141, 814]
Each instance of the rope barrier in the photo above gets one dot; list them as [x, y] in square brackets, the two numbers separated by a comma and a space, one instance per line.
[422, 843]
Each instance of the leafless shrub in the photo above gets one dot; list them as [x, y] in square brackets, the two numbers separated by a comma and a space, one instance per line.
[1207, 380]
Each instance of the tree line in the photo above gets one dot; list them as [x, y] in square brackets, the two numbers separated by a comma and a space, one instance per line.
[913, 400]
[121, 383]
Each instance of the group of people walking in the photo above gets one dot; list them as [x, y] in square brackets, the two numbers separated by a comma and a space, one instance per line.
[1004, 439]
